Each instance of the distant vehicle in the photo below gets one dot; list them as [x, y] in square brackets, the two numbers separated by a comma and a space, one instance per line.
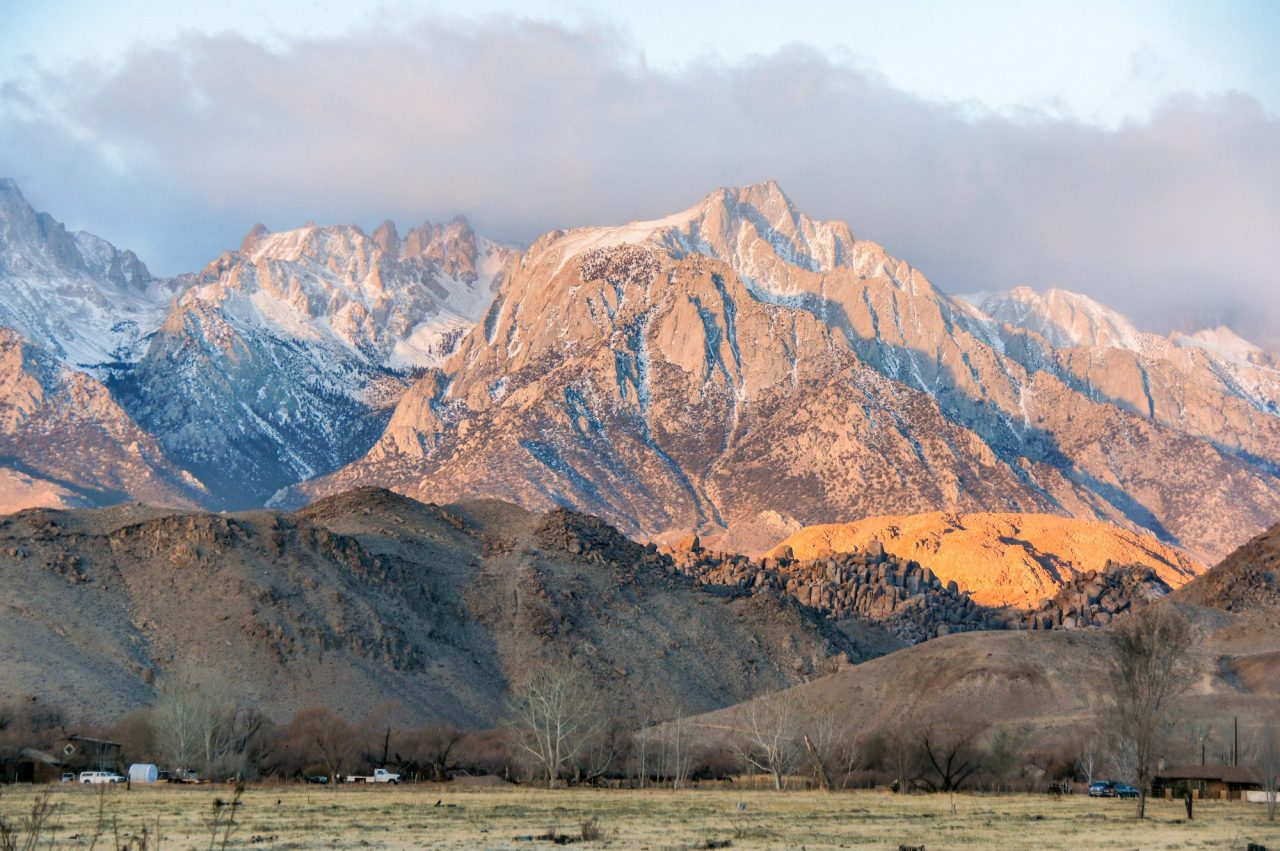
[69, 777]
[380, 775]
[183, 775]
[319, 779]
[100, 777]
[1124, 790]
[1102, 789]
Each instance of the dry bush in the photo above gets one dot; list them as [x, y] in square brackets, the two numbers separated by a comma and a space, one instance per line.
[26, 833]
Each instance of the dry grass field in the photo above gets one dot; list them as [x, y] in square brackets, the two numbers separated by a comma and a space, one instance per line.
[409, 817]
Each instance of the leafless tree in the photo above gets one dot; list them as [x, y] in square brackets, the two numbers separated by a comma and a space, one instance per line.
[184, 720]
[675, 757]
[830, 742]
[1266, 763]
[1089, 760]
[556, 715]
[1153, 665]
[194, 727]
[324, 736]
[898, 753]
[948, 754]
[768, 736]
[429, 751]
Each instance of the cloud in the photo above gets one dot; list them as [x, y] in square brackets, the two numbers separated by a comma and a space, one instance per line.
[526, 126]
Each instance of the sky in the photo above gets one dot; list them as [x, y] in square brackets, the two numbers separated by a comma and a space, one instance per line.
[1130, 151]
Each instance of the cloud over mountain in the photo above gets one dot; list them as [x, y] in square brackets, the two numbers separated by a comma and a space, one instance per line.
[528, 126]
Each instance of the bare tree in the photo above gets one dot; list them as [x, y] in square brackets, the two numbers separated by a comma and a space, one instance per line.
[897, 746]
[555, 714]
[1266, 764]
[193, 727]
[183, 721]
[1089, 760]
[675, 757]
[948, 755]
[830, 742]
[768, 738]
[324, 736]
[1153, 665]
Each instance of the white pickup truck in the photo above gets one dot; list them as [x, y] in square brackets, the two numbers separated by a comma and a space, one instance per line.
[100, 777]
[380, 775]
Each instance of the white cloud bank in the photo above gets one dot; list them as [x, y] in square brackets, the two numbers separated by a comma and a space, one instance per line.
[526, 127]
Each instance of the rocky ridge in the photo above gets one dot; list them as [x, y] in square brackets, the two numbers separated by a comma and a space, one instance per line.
[73, 295]
[895, 593]
[908, 598]
[739, 360]
[1002, 558]
[369, 599]
[64, 440]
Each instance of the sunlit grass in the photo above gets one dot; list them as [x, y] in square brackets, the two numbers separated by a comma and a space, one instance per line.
[408, 817]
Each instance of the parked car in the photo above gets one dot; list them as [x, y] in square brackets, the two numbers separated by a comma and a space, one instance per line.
[1102, 789]
[1124, 790]
[100, 777]
[380, 775]
[69, 777]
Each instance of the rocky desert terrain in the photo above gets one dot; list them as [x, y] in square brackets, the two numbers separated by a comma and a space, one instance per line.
[1051, 681]
[369, 599]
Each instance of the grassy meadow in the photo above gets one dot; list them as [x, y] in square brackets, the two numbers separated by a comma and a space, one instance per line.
[298, 817]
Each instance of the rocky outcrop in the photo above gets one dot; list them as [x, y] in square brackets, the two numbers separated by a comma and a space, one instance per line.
[1094, 598]
[1002, 558]
[1246, 581]
[896, 593]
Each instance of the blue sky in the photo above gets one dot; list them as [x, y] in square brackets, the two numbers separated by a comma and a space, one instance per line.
[1130, 151]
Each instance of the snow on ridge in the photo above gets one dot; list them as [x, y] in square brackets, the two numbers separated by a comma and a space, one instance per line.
[1224, 342]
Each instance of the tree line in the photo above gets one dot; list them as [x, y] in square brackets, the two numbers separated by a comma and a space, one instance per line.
[559, 729]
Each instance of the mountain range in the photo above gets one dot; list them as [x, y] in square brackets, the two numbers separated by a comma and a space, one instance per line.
[737, 368]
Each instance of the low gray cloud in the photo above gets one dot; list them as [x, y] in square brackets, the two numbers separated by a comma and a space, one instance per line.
[525, 127]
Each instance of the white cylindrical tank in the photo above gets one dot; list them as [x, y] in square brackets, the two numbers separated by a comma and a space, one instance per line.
[141, 772]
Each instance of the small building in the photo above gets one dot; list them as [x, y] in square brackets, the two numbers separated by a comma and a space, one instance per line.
[82, 753]
[1207, 782]
[30, 765]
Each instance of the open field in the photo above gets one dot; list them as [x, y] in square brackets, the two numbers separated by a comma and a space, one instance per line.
[408, 817]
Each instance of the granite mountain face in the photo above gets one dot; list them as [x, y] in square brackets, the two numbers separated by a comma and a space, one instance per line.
[282, 360]
[73, 294]
[739, 368]
[277, 362]
[744, 369]
[64, 441]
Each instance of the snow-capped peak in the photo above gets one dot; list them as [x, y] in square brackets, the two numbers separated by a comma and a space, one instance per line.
[74, 294]
[399, 301]
[1064, 318]
[756, 229]
[1225, 343]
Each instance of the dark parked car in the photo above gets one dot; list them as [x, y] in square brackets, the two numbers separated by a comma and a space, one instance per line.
[1124, 790]
[1102, 789]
